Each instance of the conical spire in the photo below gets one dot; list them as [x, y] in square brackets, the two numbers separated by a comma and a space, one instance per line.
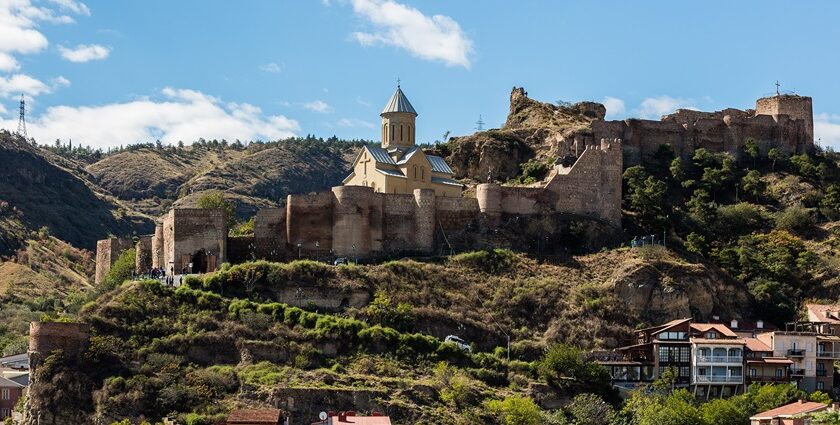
[399, 103]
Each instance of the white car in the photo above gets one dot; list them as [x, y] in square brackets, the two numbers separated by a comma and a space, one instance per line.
[458, 342]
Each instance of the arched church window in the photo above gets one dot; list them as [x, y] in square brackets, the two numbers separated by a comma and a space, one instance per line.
[401, 132]
[423, 173]
[415, 172]
[392, 132]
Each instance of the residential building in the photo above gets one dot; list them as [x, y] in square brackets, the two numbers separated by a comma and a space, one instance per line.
[255, 417]
[398, 165]
[717, 356]
[798, 342]
[17, 361]
[762, 366]
[796, 413]
[10, 393]
[656, 349]
[343, 418]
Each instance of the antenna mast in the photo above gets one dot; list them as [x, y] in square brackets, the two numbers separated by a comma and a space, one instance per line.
[479, 125]
[22, 121]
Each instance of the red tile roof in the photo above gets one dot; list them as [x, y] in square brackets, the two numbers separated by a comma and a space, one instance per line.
[788, 410]
[823, 312]
[719, 327]
[754, 345]
[255, 416]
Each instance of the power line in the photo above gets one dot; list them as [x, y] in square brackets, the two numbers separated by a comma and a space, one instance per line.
[22, 120]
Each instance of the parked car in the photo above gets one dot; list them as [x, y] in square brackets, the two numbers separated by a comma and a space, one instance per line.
[340, 260]
[463, 345]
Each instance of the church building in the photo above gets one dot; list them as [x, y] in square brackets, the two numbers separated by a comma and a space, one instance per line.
[399, 166]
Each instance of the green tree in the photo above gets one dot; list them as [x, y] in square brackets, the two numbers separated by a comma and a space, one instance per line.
[751, 149]
[732, 411]
[701, 208]
[678, 408]
[766, 397]
[679, 170]
[590, 409]
[696, 243]
[831, 201]
[516, 410]
[820, 397]
[122, 269]
[795, 218]
[646, 197]
[774, 155]
[826, 418]
[738, 219]
[564, 364]
[753, 185]
[215, 200]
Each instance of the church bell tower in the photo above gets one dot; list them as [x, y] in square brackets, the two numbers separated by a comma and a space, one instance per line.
[398, 122]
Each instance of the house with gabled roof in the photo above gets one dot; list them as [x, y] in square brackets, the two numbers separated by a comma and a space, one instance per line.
[398, 165]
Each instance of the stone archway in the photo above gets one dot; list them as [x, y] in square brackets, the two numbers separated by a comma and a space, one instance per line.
[199, 262]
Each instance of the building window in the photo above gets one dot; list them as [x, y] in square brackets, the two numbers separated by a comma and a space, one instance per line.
[780, 373]
[415, 172]
[820, 385]
[4, 394]
[401, 132]
[753, 371]
[5, 413]
[685, 372]
[392, 132]
[423, 173]
[701, 372]
[711, 335]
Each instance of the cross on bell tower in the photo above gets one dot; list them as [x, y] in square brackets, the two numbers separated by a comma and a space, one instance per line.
[777, 87]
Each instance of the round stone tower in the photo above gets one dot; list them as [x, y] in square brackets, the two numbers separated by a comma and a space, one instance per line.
[489, 196]
[351, 220]
[398, 121]
[424, 219]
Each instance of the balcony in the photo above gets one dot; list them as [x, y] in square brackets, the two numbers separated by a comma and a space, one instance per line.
[796, 352]
[718, 379]
[794, 371]
[828, 354]
[719, 359]
[770, 379]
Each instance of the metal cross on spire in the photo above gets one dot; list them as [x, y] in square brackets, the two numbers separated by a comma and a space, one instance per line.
[777, 87]
[398, 82]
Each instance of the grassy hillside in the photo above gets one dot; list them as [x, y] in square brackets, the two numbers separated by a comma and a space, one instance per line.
[151, 179]
[45, 277]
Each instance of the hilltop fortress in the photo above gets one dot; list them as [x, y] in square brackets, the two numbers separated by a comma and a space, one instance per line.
[399, 200]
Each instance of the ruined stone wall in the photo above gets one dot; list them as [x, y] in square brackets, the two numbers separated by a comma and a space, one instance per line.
[794, 106]
[143, 254]
[190, 230]
[157, 246]
[722, 131]
[270, 233]
[107, 252]
[46, 338]
[309, 222]
[241, 249]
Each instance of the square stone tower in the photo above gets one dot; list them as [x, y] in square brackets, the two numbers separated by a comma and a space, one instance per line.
[792, 105]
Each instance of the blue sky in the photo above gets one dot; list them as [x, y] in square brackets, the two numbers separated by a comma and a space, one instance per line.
[112, 72]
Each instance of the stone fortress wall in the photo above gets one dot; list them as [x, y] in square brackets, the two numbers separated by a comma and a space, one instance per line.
[355, 221]
[783, 121]
[107, 252]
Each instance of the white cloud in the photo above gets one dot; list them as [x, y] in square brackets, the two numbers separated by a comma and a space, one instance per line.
[72, 6]
[182, 115]
[60, 81]
[354, 122]
[272, 67]
[3, 109]
[656, 107]
[8, 62]
[827, 130]
[84, 53]
[22, 83]
[436, 38]
[361, 101]
[318, 106]
[614, 105]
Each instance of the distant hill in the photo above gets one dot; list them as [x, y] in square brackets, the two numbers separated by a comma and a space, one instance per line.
[40, 189]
